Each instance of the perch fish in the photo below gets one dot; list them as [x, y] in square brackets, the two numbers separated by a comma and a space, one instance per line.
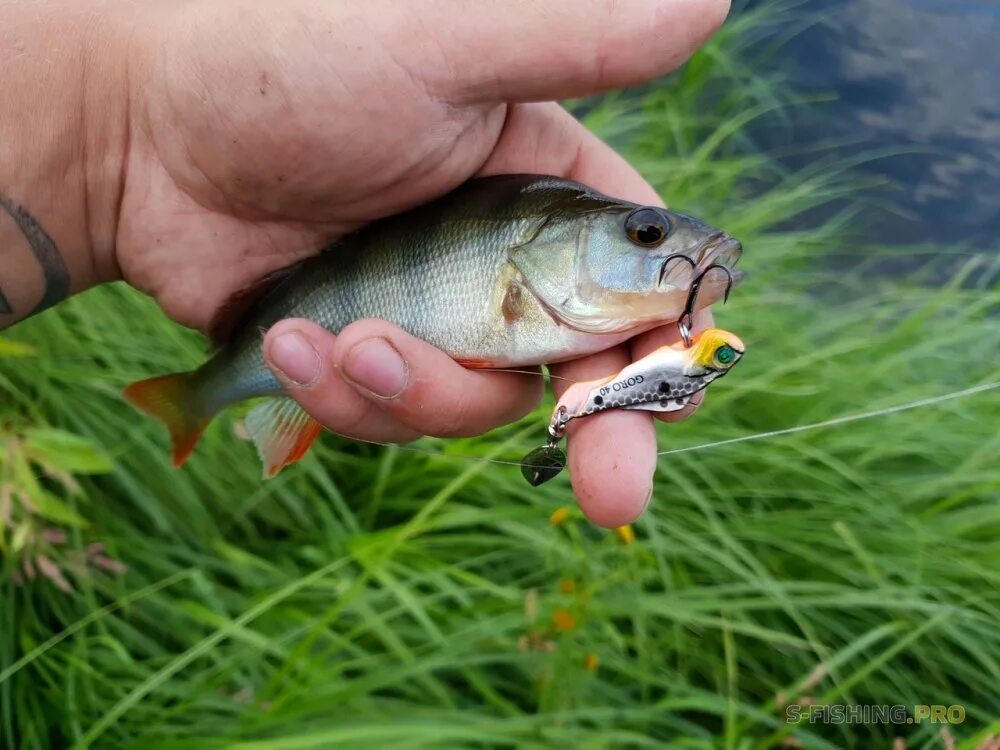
[505, 271]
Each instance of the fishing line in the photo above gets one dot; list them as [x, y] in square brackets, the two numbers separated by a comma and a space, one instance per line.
[532, 372]
[837, 421]
[824, 424]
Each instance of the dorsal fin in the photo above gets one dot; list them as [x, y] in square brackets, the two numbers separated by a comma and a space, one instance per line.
[234, 310]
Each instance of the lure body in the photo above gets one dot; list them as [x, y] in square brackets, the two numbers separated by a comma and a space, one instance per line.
[505, 271]
[662, 381]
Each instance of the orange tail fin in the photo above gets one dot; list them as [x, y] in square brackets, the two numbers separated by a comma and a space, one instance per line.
[172, 399]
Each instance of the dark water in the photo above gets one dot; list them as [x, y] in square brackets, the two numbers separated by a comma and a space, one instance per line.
[920, 75]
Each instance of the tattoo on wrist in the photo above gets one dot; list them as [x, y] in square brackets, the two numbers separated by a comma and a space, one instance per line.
[43, 247]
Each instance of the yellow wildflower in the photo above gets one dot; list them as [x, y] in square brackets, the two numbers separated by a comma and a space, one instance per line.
[563, 620]
[559, 516]
[625, 534]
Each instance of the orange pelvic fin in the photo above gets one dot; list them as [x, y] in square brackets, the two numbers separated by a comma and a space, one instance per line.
[282, 433]
[475, 364]
[172, 399]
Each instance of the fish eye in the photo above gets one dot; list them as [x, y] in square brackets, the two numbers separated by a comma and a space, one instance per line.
[647, 227]
[725, 355]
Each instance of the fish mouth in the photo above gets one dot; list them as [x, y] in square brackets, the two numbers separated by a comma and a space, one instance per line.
[720, 249]
[718, 256]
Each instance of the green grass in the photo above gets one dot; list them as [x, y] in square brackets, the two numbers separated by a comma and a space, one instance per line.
[385, 597]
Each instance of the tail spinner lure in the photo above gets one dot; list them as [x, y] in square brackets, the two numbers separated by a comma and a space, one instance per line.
[662, 381]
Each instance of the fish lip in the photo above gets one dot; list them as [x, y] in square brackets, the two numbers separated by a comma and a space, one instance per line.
[719, 248]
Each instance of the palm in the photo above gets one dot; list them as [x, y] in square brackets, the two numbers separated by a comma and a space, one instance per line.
[243, 169]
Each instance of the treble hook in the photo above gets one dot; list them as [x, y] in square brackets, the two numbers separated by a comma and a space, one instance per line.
[666, 262]
[686, 321]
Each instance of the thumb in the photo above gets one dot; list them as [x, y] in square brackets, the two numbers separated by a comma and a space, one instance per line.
[535, 50]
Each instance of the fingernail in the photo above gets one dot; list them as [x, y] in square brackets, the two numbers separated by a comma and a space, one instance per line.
[375, 366]
[295, 357]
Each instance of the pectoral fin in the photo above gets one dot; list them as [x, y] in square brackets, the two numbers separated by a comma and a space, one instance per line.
[514, 302]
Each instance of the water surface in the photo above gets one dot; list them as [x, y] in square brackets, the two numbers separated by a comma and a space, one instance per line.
[919, 75]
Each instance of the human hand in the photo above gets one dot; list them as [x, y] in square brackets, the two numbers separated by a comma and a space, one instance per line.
[260, 131]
